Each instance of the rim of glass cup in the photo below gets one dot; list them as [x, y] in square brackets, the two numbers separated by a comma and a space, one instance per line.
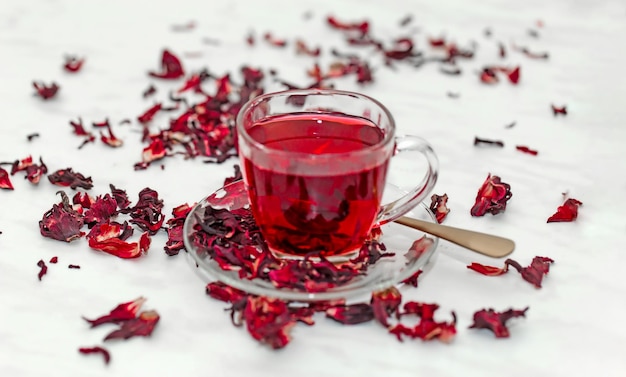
[389, 134]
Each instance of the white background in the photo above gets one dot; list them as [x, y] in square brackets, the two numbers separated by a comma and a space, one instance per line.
[574, 326]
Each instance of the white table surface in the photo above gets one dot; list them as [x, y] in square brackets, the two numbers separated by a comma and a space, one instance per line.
[574, 326]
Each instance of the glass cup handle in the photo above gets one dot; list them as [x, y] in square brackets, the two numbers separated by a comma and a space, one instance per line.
[391, 211]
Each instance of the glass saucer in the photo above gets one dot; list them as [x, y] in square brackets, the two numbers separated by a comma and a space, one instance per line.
[384, 273]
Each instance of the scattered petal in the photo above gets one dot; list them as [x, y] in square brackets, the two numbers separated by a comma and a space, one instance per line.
[496, 321]
[96, 350]
[492, 197]
[123, 312]
[46, 91]
[438, 206]
[566, 212]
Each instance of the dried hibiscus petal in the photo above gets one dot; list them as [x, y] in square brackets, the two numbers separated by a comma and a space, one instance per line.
[46, 91]
[566, 212]
[110, 139]
[5, 181]
[143, 325]
[236, 177]
[427, 328]
[120, 196]
[496, 321]
[107, 237]
[174, 241]
[122, 312]
[223, 292]
[438, 205]
[146, 214]
[62, 222]
[413, 279]
[268, 320]
[527, 150]
[54, 260]
[96, 350]
[362, 27]
[539, 267]
[271, 39]
[385, 303]
[559, 110]
[480, 142]
[488, 76]
[303, 49]
[418, 248]
[153, 152]
[43, 269]
[351, 314]
[67, 177]
[151, 90]
[171, 67]
[73, 64]
[101, 210]
[489, 270]
[147, 116]
[492, 197]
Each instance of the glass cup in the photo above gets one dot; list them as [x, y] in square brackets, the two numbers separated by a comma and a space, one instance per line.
[315, 166]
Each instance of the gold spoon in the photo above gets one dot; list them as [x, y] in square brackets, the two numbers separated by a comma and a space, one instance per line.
[486, 244]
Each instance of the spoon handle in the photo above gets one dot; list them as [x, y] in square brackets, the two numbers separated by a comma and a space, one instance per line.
[486, 244]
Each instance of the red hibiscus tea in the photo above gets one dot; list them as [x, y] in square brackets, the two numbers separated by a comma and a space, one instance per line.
[300, 212]
[315, 164]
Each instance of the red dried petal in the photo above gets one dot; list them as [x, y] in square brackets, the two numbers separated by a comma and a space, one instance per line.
[427, 328]
[513, 75]
[559, 110]
[147, 116]
[54, 260]
[351, 314]
[43, 269]
[303, 49]
[385, 303]
[46, 91]
[68, 178]
[492, 197]
[5, 181]
[101, 210]
[62, 222]
[419, 247]
[534, 273]
[403, 49]
[362, 27]
[488, 76]
[141, 326]
[566, 212]
[268, 320]
[120, 196]
[437, 42]
[151, 90]
[110, 139]
[73, 64]
[107, 237]
[236, 177]
[496, 321]
[525, 149]
[488, 270]
[171, 67]
[223, 292]
[413, 279]
[269, 38]
[123, 312]
[147, 213]
[99, 350]
[438, 205]
[175, 241]
[153, 152]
